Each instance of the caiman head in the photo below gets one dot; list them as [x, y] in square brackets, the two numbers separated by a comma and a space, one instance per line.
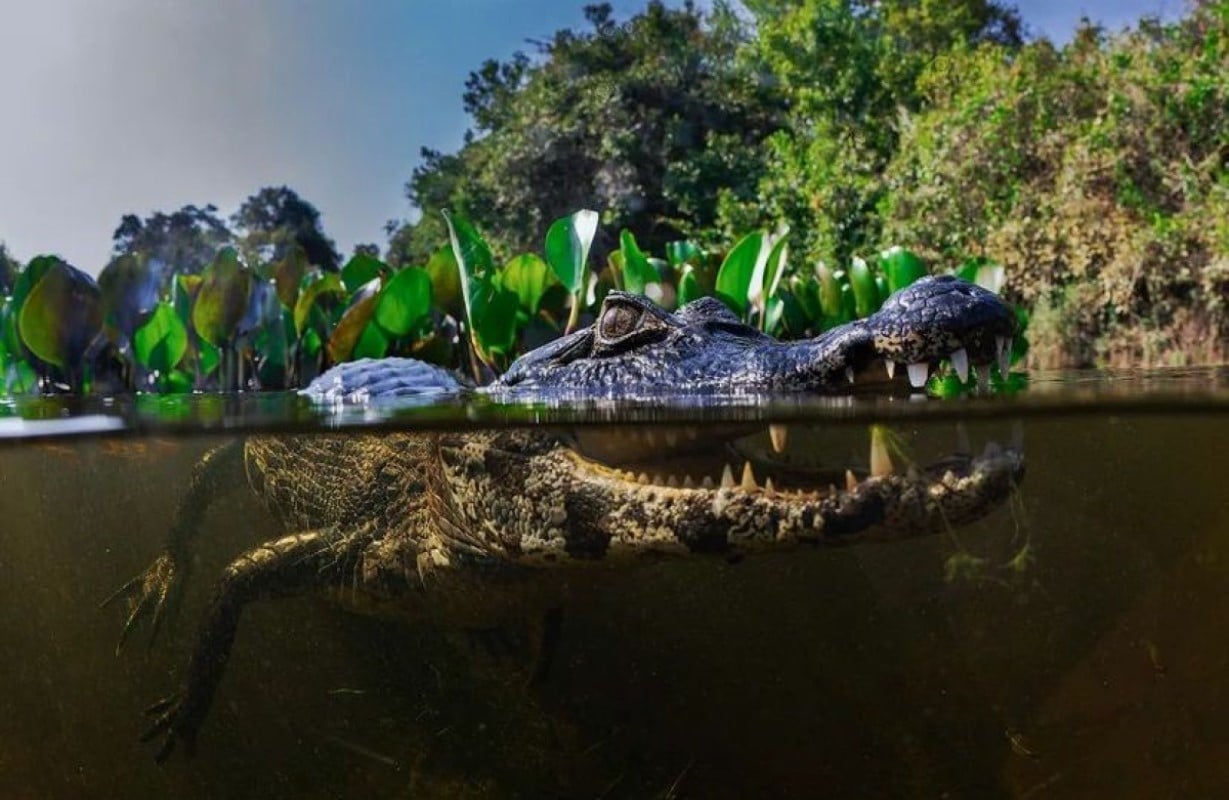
[636, 347]
[623, 492]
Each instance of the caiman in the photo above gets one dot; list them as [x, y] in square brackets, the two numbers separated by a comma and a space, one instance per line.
[470, 527]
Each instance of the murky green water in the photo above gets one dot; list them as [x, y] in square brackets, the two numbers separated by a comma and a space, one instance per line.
[1070, 644]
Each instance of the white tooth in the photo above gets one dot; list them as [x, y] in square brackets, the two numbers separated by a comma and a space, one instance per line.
[832, 490]
[949, 478]
[672, 437]
[707, 483]
[727, 478]
[1003, 346]
[983, 377]
[642, 478]
[769, 489]
[748, 482]
[881, 462]
[659, 479]
[891, 366]
[960, 360]
[963, 445]
[917, 374]
[688, 483]
[849, 374]
[779, 434]
[672, 481]
[851, 482]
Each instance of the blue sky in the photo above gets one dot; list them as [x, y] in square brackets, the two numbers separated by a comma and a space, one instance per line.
[131, 106]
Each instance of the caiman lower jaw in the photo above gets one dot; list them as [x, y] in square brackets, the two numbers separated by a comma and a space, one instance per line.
[763, 509]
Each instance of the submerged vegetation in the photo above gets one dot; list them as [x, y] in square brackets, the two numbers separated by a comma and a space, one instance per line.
[1088, 182]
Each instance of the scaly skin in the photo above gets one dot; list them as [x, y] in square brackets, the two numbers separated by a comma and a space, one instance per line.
[471, 528]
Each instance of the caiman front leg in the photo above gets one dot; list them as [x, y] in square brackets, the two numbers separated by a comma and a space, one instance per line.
[291, 565]
[154, 593]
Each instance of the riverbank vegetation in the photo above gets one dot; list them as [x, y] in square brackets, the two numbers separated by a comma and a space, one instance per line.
[1088, 181]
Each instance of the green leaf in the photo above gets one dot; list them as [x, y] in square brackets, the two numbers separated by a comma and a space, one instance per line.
[446, 282]
[567, 248]
[222, 301]
[777, 258]
[161, 342]
[689, 287]
[474, 263]
[404, 300]
[327, 285]
[61, 316]
[372, 343]
[683, 252]
[982, 271]
[865, 293]
[350, 327]
[638, 271]
[288, 275]
[740, 270]
[495, 320]
[129, 286]
[361, 270]
[529, 277]
[900, 267]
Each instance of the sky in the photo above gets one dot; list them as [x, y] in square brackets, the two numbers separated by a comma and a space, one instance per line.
[134, 106]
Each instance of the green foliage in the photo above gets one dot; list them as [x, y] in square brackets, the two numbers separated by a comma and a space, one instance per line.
[61, 316]
[161, 343]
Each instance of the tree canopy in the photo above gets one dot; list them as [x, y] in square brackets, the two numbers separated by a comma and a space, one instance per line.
[275, 219]
[186, 239]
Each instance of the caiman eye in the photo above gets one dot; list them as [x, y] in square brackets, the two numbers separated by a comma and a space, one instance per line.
[618, 320]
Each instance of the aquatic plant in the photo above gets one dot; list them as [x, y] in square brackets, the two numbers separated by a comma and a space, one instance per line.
[146, 326]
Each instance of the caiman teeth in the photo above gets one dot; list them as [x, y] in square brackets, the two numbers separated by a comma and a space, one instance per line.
[960, 361]
[688, 483]
[851, 482]
[727, 477]
[672, 481]
[918, 373]
[881, 462]
[849, 374]
[778, 434]
[1002, 346]
[891, 367]
[706, 483]
[748, 483]
[983, 377]
[769, 489]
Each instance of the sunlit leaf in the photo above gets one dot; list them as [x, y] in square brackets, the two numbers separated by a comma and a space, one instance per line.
[161, 342]
[865, 293]
[222, 301]
[638, 271]
[495, 320]
[404, 300]
[774, 268]
[288, 275]
[900, 267]
[567, 247]
[372, 343]
[689, 287]
[446, 282]
[683, 252]
[528, 276]
[327, 285]
[741, 267]
[360, 270]
[360, 311]
[61, 316]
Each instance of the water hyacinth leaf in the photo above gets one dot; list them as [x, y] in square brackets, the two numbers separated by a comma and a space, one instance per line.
[475, 266]
[528, 276]
[774, 268]
[355, 318]
[361, 270]
[130, 285]
[288, 275]
[900, 267]
[222, 300]
[62, 316]
[683, 252]
[372, 343]
[494, 320]
[446, 282]
[567, 248]
[739, 271]
[327, 285]
[689, 287]
[160, 344]
[404, 300]
[862, 283]
[982, 271]
[638, 271]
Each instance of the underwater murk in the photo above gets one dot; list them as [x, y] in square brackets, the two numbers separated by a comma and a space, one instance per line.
[1069, 642]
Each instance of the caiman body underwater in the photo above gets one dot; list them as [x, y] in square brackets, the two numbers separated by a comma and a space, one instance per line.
[470, 527]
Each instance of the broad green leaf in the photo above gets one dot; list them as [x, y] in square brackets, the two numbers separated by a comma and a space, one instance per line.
[372, 343]
[288, 275]
[567, 248]
[494, 317]
[404, 300]
[161, 342]
[638, 271]
[222, 301]
[346, 335]
[208, 357]
[61, 316]
[360, 270]
[474, 263]
[529, 277]
[446, 282]
[900, 267]
[130, 287]
[829, 292]
[327, 285]
[865, 293]
[739, 271]
[683, 252]
[774, 269]
[689, 287]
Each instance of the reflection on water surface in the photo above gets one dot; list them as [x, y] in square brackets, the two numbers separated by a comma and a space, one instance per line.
[1063, 645]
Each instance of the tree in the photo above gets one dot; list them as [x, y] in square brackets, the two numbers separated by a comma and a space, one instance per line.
[275, 219]
[184, 240]
[656, 121]
[9, 268]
